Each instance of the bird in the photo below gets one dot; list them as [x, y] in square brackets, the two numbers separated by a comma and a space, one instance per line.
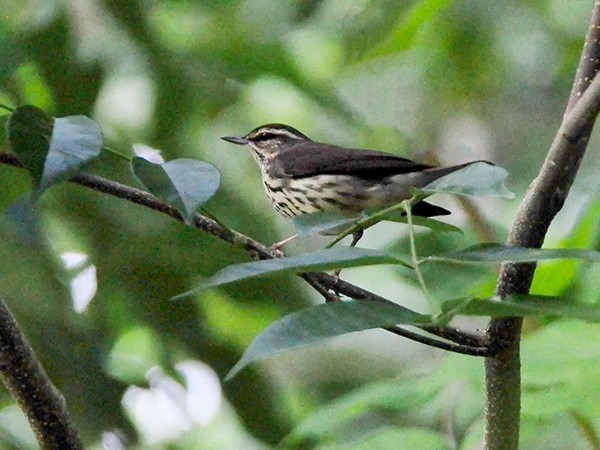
[302, 176]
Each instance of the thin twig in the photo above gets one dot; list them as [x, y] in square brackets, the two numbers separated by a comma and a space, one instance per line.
[587, 429]
[468, 349]
[464, 343]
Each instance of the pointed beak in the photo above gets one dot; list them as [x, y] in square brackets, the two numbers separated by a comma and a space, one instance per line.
[236, 140]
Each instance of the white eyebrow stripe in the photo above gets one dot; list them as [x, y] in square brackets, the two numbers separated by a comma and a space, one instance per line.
[277, 132]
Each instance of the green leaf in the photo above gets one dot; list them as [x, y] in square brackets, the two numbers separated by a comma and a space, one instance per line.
[24, 214]
[76, 140]
[389, 438]
[333, 258]
[554, 277]
[496, 253]
[408, 27]
[393, 397]
[426, 222]
[135, 352]
[312, 325]
[53, 150]
[479, 179]
[322, 222]
[522, 305]
[29, 131]
[185, 184]
[560, 369]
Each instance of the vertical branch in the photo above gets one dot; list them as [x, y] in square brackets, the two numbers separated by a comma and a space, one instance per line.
[28, 383]
[588, 63]
[546, 196]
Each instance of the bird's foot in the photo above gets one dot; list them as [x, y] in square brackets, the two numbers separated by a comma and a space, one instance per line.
[355, 238]
[276, 247]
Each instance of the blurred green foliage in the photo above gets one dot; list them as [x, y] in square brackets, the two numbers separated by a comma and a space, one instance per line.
[466, 79]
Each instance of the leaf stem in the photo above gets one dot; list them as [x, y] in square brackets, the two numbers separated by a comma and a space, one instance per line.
[8, 108]
[587, 428]
[373, 219]
[117, 153]
[435, 309]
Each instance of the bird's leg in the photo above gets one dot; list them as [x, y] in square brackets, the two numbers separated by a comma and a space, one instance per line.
[356, 236]
[276, 247]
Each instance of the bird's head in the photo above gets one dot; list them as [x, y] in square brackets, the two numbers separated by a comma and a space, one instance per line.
[268, 140]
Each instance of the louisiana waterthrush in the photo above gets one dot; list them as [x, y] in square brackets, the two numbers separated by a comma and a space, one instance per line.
[302, 176]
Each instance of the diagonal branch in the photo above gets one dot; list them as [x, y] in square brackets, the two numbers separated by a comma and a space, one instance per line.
[454, 339]
[28, 383]
[545, 198]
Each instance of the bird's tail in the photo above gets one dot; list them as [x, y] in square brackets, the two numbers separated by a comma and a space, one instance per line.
[425, 209]
[438, 172]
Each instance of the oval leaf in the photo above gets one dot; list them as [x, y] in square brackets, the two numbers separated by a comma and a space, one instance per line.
[29, 131]
[479, 179]
[496, 253]
[52, 149]
[312, 325]
[333, 258]
[322, 222]
[76, 140]
[426, 222]
[184, 183]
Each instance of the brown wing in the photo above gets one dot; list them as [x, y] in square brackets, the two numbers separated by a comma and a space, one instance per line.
[312, 158]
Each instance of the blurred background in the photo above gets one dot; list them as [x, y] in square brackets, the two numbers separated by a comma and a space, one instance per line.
[434, 80]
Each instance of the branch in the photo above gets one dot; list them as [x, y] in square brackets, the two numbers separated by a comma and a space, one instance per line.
[461, 342]
[545, 198]
[26, 380]
[588, 63]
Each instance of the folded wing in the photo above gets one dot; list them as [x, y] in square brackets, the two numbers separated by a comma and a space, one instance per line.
[303, 160]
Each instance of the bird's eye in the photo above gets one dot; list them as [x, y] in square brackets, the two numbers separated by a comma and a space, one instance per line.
[264, 136]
